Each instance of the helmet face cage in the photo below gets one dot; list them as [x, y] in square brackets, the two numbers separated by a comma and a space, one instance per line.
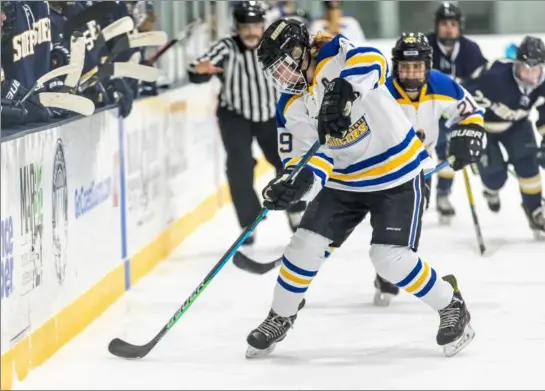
[530, 62]
[284, 53]
[412, 47]
[286, 75]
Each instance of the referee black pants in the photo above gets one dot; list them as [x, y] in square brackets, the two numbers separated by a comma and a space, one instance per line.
[237, 134]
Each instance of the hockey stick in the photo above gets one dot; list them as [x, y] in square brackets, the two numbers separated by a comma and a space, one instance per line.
[180, 37]
[122, 69]
[121, 26]
[94, 12]
[243, 262]
[77, 58]
[150, 38]
[123, 349]
[476, 224]
[75, 103]
[64, 70]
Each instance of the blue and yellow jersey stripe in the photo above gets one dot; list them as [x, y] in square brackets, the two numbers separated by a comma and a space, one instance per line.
[364, 60]
[320, 164]
[388, 166]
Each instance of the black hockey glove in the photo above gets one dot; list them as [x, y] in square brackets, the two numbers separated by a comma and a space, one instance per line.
[29, 111]
[466, 144]
[120, 92]
[280, 194]
[541, 153]
[334, 117]
[60, 56]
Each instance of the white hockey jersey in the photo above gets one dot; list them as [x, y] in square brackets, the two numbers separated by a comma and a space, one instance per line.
[381, 149]
[440, 97]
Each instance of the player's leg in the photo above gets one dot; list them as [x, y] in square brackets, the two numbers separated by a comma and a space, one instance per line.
[329, 218]
[521, 145]
[396, 220]
[236, 134]
[493, 172]
[267, 138]
[445, 178]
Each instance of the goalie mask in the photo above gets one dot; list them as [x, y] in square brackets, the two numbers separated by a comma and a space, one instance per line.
[284, 53]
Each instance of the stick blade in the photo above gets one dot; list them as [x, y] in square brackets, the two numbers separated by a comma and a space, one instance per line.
[245, 263]
[77, 58]
[121, 26]
[135, 71]
[75, 103]
[123, 349]
[150, 38]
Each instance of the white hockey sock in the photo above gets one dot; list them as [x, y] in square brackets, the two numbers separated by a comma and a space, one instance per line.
[301, 261]
[402, 267]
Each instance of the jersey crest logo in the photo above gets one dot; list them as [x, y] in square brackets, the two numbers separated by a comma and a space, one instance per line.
[357, 132]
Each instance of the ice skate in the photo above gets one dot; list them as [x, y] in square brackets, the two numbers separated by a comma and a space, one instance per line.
[455, 331]
[445, 209]
[385, 292]
[492, 198]
[536, 221]
[263, 339]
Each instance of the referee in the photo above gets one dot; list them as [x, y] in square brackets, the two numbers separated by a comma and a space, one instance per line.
[247, 109]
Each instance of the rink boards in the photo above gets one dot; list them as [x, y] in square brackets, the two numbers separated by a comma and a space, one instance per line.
[90, 207]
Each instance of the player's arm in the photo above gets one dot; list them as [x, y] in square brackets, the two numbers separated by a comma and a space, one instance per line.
[466, 117]
[296, 135]
[204, 67]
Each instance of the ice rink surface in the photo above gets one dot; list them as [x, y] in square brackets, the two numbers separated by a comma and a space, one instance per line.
[340, 340]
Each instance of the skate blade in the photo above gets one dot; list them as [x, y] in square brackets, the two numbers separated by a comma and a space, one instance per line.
[538, 235]
[252, 352]
[457, 346]
[382, 299]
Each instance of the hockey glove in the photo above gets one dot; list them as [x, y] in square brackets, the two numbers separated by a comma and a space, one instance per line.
[541, 153]
[119, 91]
[466, 144]
[334, 116]
[279, 194]
[59, 56]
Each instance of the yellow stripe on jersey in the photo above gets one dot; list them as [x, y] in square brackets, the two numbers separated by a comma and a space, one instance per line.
[391, 165]
[367, 59]
[289, 103]
[315, 162]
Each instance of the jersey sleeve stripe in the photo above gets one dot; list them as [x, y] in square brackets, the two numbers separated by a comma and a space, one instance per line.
[360, 71]
[321, 166]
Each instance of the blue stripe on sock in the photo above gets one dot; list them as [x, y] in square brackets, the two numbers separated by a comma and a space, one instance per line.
[412, 275]
[291, 267]
[429, 285]
[289, 287]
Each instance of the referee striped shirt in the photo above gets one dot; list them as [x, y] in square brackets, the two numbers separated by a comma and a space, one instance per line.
[245, 89]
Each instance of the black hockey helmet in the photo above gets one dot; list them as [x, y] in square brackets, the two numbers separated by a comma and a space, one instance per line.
[531, 51]
[412, 47]
[448, 11]
[249, 12]
[284, 53]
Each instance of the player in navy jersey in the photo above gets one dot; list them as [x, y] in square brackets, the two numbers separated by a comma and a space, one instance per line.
[18, 58]
[41, 24]
[457, 56]
[508, 90]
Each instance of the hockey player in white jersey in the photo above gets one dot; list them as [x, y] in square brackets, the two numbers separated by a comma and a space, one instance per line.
[427, 95]
[371, 161]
